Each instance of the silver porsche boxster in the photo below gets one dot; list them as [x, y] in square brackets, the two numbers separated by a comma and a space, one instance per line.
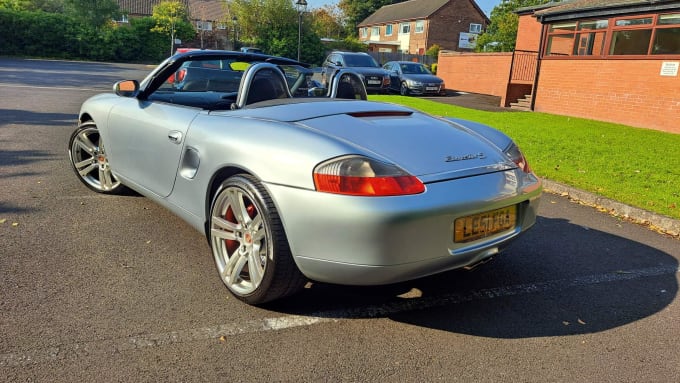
[291, 182]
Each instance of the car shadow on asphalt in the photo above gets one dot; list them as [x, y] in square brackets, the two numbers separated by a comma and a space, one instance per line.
[588, 281]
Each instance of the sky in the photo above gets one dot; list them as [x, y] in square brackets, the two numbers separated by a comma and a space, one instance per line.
[486, 5]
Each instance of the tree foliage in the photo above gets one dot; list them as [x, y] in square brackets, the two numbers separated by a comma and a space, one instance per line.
[42, 34]
[501, 34]
[171, 19]
[272, 25]
[94, 12]
[327, 22]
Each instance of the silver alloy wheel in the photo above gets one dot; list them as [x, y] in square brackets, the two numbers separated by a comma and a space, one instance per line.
[239, 240]
[88, 157]
[404, 89]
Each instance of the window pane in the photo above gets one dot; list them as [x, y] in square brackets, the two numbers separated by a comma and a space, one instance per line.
[667, 42]
[589, 44]
[388, 29]
[634, 42]
[560, 45]
[669, 19]
[593, 24]
[629, 22]
[563, 27]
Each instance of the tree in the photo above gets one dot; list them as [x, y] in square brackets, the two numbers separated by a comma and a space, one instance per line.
[272, 25]
[327, 21]
[501, 34]
[51, 6]
[93, 12]
[171, 19]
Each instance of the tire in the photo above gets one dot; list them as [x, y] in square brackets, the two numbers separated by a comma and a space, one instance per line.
[404, 89]
[88, 159]
[249, 245]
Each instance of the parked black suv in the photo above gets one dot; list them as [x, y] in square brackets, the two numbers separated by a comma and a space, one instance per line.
[375, 78]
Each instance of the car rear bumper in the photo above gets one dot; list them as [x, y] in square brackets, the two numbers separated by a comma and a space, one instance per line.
[379, 240]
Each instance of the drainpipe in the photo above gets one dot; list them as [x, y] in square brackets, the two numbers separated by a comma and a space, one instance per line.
[534, 88]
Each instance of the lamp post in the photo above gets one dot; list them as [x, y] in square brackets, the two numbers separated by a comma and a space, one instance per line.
[234, 20]
[301, 6]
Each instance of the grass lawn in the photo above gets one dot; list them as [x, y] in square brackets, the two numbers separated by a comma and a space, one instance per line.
[638, 167]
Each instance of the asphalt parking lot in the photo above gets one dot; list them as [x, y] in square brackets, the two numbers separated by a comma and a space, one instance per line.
[103, 288]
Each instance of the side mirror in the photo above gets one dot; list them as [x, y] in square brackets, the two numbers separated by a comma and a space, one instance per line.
[126, 88]
[338, 63]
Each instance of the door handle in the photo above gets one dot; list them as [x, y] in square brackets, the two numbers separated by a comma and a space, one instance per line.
[175, 137]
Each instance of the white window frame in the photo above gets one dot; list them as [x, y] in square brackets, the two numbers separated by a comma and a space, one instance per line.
[375, 31]
[475, 28]
[363, 32]
[420, 26]
[222, 26]
[204, 25]
[388, 29]
[405, 28]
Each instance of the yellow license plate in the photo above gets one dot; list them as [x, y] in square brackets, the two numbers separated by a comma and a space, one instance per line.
[482, 225]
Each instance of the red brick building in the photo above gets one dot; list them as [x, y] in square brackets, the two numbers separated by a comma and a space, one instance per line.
[614, 61]
[416, 25]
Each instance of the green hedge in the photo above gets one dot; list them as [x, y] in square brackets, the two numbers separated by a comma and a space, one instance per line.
[40, 34]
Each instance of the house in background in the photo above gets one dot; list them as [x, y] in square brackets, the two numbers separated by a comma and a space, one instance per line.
[616, 61]
[214, 26]
[416, 25]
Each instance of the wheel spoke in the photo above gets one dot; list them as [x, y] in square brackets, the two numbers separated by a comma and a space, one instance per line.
[259, 234]
[84, 163]
[87, 170]
[84, 142]
[255, 268]
[234, 268]
[238, 206]
[105, 178]
[224, 229]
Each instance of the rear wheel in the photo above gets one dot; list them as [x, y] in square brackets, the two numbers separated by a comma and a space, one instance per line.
[88, 159]
[249, 244]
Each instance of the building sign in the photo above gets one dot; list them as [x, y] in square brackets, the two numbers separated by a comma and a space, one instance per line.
[467, 40]
[669, 68]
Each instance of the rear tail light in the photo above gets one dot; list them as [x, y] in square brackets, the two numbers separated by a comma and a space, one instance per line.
[361, 176]
[518, 158]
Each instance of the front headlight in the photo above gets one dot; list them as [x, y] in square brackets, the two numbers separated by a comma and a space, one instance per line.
[414, 84]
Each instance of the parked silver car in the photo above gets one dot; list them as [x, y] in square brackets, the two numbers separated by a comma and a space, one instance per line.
[288, 189]
[408, 78]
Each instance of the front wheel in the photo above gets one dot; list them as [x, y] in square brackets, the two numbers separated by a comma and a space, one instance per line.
[404, 89]
[249, 244]
[88, 160]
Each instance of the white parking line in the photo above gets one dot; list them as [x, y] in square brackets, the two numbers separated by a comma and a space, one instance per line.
[222, 332]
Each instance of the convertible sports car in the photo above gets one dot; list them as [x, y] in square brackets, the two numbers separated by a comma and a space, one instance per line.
[291, 183]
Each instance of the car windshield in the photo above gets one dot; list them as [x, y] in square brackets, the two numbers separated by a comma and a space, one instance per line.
[414, 68]
[360, 61]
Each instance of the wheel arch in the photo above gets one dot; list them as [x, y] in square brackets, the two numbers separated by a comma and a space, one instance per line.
[85, 117]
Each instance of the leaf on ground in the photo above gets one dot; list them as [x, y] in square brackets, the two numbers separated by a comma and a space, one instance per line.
[3, 220]
[565, 323]
[15, 224]
[580, 321]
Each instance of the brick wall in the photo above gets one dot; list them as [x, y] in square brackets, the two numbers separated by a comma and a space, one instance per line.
[528, 33]
[630, 92]
[485, 73]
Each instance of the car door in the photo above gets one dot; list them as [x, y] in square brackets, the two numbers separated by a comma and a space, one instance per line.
[145, 140]
[393, 71]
